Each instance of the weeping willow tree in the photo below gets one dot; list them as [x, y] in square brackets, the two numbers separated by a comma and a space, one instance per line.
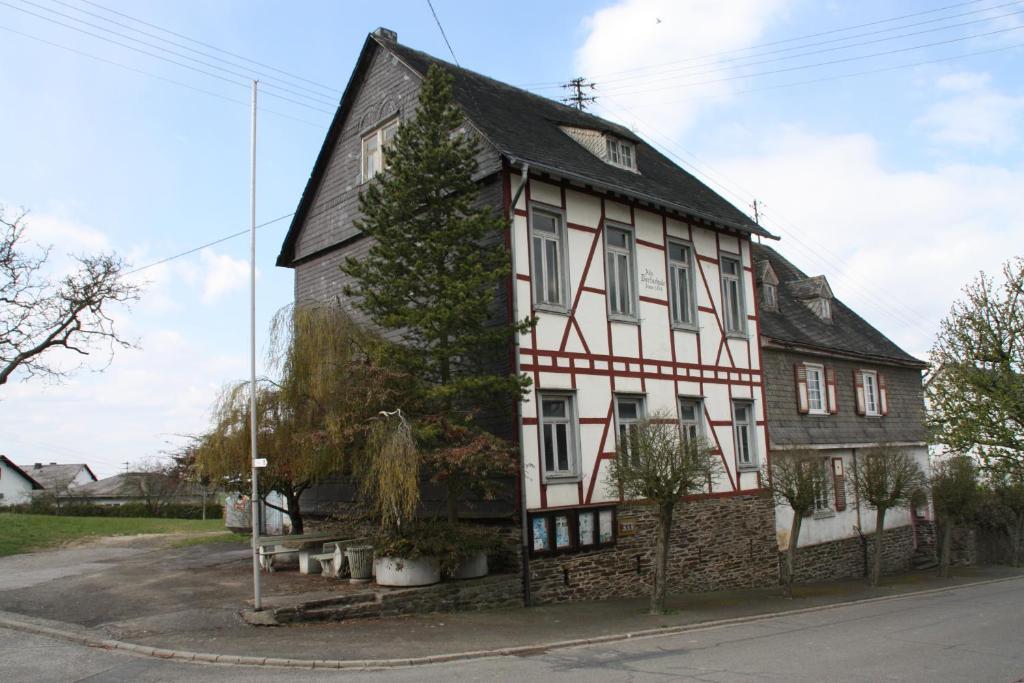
[388, 471]
[331, 377]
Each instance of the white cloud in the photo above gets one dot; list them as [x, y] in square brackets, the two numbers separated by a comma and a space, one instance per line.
[224, 274]
[889, 240]
[676, 37]
[975, 114]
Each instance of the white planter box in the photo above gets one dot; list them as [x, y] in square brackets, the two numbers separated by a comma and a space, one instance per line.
[472, 568]
[398, 571]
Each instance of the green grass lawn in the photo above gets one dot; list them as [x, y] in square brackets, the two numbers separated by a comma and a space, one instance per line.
[23, 533]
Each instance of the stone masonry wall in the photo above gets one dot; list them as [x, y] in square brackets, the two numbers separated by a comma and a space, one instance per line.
[717, 544]
[844, 559]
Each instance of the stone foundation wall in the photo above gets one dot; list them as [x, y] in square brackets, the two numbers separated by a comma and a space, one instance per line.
[717, 544]
[844, 559]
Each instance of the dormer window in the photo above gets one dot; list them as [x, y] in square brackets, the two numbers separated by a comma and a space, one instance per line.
[769, 297]
[620, 153]
[815, 293]
[768, 283]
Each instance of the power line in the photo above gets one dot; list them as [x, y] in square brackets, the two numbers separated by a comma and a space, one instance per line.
[443, 35]
[330, 89]
[249, 73]
[153, 75]
[784, 41]
[802, 67]
[725, 65]
[161, 57]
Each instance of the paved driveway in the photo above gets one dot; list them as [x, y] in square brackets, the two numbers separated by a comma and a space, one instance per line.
[972, 633]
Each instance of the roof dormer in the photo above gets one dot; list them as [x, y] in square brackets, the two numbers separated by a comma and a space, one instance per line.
[814, 293]
[768, 284]
[612, 149]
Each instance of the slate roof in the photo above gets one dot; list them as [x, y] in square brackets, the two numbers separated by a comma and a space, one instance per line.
[35, 484]
[523, 126]
[56, 476]
[795, 323]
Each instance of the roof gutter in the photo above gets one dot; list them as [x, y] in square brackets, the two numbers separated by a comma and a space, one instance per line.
[681, 208]
[523, 521]
[771, 343]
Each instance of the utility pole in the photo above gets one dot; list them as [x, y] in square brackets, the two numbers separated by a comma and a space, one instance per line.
[254, 499]
[576, 88]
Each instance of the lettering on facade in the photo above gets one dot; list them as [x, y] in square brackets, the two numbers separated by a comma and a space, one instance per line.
[650, 280]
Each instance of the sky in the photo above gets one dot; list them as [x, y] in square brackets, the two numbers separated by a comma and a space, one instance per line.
[882, 142]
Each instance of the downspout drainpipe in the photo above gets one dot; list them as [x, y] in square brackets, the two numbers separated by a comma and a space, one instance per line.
[524, 522]
[856, 497]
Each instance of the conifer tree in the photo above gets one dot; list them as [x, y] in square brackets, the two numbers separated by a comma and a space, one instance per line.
[436, 265]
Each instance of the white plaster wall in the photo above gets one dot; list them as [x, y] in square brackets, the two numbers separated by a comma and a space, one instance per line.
[13, 486]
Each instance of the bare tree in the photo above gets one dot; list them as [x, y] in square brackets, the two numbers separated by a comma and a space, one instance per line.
[796, 479]
[39, 315]
[886, 477]
[155, 482]
[656, 463]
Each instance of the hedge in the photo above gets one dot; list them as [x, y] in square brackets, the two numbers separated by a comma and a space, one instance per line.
[167, 511]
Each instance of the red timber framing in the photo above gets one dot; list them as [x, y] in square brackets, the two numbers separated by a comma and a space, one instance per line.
[573, 365]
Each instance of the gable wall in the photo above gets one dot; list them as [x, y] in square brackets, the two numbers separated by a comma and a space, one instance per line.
[787, 427]
[15, 489]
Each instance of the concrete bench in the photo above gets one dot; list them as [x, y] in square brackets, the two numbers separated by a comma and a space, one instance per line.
[332, 563]
[268, 553]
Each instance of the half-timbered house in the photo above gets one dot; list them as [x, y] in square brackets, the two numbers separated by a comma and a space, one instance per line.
[642, 282]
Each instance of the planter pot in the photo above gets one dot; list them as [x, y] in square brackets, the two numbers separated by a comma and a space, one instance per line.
[398, 571]
[472, 567]
[360, 563]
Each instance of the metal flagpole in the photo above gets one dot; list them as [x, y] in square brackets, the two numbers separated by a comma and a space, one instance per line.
[254, 500]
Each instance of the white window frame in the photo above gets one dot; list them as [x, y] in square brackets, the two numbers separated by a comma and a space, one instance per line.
[572, 440]
[750, 425]
[377, 135]
[622, 425]
[616, 151]
[540, 280]
[631, 280]
[727, 305]
[819, 372]
[697, 424]
[683, 314]
[822, 498]
[874, 395]
[770, 296]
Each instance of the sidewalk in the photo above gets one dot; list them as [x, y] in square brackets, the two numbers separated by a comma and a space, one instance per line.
[419, 636]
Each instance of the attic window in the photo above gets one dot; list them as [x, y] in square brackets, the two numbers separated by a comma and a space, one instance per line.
[620, 153]
[374, 150]
[769, 297]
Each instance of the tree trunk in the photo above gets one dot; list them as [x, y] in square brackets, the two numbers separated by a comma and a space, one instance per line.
[292, 499]
[660, 587]
[876, 565]
[452, 500]
[794, 536]
[947, 546]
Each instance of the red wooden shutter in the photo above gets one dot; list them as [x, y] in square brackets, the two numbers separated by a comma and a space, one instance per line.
[839, 484]
[883, 395]
[802, 405]
[858, 390]
[831, 393]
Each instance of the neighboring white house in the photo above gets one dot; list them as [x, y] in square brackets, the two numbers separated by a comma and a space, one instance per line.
[16, 486]
[60, 479]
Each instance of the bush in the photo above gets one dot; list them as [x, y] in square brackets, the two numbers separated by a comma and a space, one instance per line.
[76, 509]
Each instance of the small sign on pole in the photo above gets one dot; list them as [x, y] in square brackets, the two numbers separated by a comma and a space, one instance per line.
[259, 462]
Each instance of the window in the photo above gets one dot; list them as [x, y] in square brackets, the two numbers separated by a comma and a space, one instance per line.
[816, 389]
[733, 310]
[375, 148]
[547, 233]
[558, 436]
[769, 297]
[680, 289]
[690, 418]
[743, 430]
[629, 411]
[620, 153]
[871, 403]
[821, 504]
[619, 272]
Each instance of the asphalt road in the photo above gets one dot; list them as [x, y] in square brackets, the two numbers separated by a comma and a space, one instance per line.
[973, 633]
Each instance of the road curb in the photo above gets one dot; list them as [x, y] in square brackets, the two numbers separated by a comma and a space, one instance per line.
[9, 621]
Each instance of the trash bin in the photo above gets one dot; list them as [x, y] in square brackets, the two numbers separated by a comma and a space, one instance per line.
[360, 563]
